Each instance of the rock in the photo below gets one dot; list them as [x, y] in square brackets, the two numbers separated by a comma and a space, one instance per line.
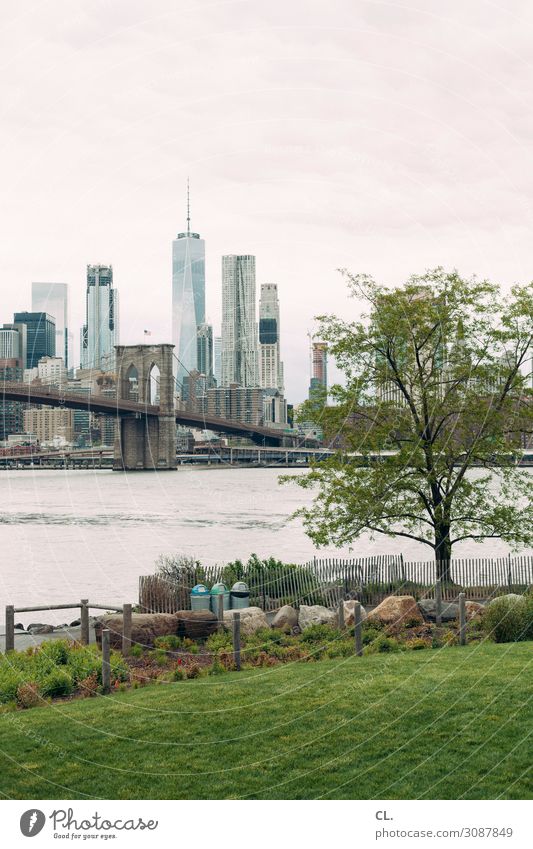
[315, 615]
[395, 610]
[40, 628]
[428, 606]
[19, 626]
[145, 627]
[75, 623]
[286, 619]
[196, 624]
[473, 609]
[252, 619]
[348, 613]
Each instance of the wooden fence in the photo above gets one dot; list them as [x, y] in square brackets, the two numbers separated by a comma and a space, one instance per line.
[368, 580]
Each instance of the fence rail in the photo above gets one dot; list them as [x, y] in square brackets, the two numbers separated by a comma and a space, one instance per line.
[368, 580]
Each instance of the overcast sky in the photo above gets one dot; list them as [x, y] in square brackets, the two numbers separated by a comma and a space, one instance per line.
[380, 136]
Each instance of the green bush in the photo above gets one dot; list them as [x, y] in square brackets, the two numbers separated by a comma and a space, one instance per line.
[382, 644]
[83, 662]
[219, 642]
[57, 650]
[170, 642]
[57, 683]
[509, 620]
[320, 634]
[370, 634]
[10, 681]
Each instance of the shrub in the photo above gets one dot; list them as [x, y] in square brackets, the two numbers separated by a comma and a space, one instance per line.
[10, 680]
[89, 686]
[219, 642]
[28, 695]
[57, 650]
[370, 634]
[193, 671]
[508, 620]
[417, 643]
[180, 674]
[136, 650]
[382, 644]
[170, 642]
[84, 661]
[340, 648]
[320, 634]
[57, 683]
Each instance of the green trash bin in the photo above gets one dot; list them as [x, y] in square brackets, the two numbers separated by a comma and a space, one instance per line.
[216, 591]
[240, 595]
[200, 597]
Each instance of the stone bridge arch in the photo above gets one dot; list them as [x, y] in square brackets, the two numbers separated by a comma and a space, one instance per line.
[146, 440]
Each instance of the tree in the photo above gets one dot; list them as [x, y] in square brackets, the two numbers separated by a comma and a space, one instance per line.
[428, 423]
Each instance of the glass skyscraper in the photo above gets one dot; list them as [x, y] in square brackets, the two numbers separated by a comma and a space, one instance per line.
[99, 334]
[53, 299]
[41, 336]
[204, 340]
[188, 297]
[239, 327]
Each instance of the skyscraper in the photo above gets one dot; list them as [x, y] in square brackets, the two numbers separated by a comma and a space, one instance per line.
[53, 299]
[188, 296]
[239, 326]
[319, 367]
[204, 343]
[99, 334]
[270, 365]
[41, 336]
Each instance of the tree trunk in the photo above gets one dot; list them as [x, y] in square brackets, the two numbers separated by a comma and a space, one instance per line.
[443, 552]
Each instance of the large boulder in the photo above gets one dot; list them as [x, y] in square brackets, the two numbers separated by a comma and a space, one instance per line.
[315, 614]
[196, 624]
[473, 610]
[286, 618]
[396, 610]
[349, 607]
[145, 627]
[449, 611]
[252, 619]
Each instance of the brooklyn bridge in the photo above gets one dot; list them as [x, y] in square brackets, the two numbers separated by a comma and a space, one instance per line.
[146, 431]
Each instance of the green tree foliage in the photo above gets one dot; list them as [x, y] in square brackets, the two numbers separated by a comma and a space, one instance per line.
[428, 422]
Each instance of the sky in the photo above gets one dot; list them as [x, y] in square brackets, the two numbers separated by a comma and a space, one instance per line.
[382, 137]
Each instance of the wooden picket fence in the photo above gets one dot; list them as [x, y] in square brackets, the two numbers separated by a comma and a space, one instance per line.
[368, 580]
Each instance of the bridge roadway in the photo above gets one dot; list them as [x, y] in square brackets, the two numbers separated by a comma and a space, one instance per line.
[30, 394]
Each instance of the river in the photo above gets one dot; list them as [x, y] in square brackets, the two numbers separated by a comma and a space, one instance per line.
[66, 535]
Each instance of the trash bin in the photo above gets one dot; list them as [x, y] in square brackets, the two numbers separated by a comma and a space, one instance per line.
[240, 596]
[200, 597]
[216, 591]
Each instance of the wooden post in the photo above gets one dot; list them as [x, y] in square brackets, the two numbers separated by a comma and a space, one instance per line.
[10, 628]
[126, 629]
[84, 620]
[340, 616]
[106, 661]
[462, 619]
[220, 611]
[358, 629]
[438, 602]
[237, 640]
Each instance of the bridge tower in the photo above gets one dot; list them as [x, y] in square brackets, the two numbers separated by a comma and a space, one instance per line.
[147, 440]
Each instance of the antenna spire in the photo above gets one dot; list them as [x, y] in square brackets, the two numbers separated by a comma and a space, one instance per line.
[188, 210]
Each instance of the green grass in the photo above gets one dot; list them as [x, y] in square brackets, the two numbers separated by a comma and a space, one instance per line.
[444, 724]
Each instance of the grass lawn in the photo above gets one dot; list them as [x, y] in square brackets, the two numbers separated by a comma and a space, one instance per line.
[436, 724]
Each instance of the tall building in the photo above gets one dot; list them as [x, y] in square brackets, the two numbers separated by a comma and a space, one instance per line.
[188, 296]
[13, 343]
[319, 367]
[217, 358]
[239, 403]
[270, 365]
[99, 334]
[204, 343]
[52, 371]
[53, 299]
[40, 338]
[239, 327]
[49, 424]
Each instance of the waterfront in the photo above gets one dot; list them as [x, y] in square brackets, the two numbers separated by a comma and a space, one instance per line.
[72, 534]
